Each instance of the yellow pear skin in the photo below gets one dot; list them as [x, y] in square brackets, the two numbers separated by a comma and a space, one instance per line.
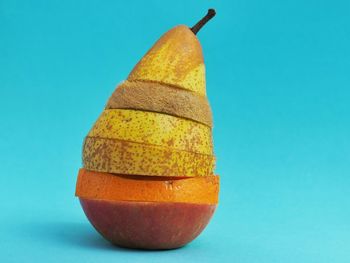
[175, 59]
[149, 141]
[122, 157]
[153, 129]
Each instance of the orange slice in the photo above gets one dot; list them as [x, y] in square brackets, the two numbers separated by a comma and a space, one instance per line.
[106, 186]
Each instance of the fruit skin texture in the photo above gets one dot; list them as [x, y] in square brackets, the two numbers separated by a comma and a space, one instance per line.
[175, 59]
[154, 129]
[122, 157]
[147, 225]
[157, 97]
[106, 186]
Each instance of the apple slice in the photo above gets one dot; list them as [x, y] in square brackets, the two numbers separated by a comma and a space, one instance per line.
[147, 225]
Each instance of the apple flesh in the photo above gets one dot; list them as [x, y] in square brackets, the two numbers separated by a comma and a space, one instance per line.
[147, 225]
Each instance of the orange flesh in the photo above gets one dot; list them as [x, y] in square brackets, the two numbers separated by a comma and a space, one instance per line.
[113, 187]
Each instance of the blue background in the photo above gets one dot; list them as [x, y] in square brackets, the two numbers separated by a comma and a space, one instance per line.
[278, 78]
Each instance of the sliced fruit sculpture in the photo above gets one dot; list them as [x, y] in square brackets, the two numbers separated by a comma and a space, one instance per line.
[148, 161]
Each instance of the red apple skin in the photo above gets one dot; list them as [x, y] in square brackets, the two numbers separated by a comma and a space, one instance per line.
[147, 225]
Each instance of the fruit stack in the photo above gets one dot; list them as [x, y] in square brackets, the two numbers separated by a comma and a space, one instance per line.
[148, 161]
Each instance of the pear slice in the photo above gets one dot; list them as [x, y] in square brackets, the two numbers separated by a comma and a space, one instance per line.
[123, 157]
[154, 129]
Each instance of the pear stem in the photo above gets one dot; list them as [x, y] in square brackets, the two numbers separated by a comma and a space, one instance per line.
[211, 13]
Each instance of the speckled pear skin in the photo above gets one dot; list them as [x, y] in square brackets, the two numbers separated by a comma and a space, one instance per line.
[175, 59]
[123, 157]
[151, 142]
[153, 129]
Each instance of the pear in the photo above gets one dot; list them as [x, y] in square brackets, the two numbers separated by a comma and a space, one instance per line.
[158, 122]
[169, 79]
[175, 59]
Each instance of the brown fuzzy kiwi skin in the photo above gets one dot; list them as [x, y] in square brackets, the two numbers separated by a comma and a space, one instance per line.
[162, 98]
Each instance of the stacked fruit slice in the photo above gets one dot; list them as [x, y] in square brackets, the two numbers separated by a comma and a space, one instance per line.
[148, 179]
